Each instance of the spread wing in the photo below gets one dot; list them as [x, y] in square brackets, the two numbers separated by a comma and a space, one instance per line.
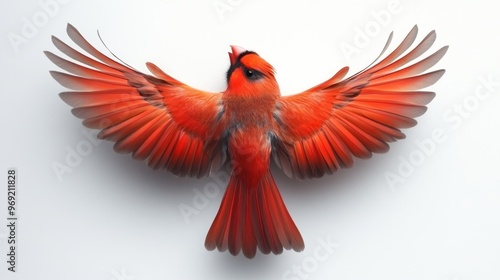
[155, 117]
[321, 129]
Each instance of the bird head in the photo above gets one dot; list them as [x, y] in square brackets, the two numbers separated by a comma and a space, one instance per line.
[249, 73]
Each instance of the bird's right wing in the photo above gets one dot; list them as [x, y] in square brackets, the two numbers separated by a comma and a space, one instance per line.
[156, 117]
[320, 130]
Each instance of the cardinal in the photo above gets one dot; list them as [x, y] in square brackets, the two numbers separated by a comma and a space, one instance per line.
[191, 132]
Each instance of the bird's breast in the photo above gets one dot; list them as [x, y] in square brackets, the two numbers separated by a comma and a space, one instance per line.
[249, 133]
[246, 112]
[250, 151]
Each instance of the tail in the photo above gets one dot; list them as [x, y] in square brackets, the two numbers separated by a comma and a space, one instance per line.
[251, 217]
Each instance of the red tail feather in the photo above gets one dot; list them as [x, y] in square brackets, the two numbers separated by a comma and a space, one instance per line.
[251, 217]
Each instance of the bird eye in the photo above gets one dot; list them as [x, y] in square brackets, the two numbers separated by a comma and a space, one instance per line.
[249, 73]
[252, 74]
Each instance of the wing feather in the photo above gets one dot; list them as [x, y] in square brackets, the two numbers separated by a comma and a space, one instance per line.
[322, 129]
[155, 117]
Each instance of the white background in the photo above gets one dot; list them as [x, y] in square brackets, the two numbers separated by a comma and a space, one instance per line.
[114, 218]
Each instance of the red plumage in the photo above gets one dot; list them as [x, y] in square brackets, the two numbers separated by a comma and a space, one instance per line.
[193, 133]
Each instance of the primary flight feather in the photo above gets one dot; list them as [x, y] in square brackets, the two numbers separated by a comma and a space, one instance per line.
[194, 133]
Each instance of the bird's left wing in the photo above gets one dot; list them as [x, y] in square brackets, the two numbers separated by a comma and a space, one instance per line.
[156, 117]
[320, 130]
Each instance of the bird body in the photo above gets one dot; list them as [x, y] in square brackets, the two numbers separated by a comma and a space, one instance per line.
[194, 133]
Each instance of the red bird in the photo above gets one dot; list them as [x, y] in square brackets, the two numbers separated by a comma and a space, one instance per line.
[194, 133]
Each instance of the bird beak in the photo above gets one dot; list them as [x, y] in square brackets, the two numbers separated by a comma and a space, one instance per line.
[235, 52]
